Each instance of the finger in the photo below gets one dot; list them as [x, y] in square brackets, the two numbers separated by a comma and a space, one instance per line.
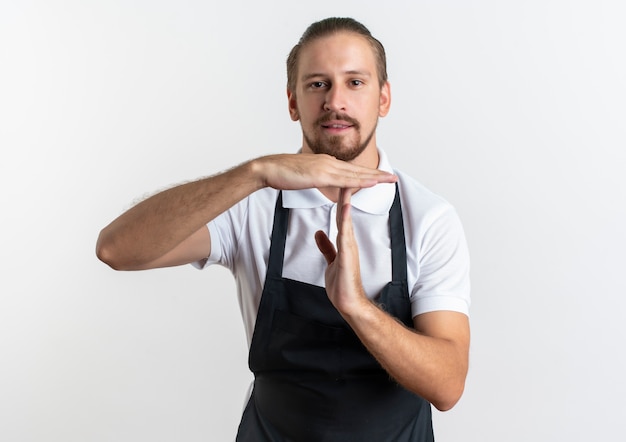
[325, 246]
[344, 174]
[360, 177]
[344, 218]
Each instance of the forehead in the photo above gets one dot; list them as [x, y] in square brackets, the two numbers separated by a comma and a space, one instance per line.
[337, 53]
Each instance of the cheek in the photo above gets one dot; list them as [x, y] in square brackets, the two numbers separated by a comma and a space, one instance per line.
[372, 104]
[373, 113]
[308, 110]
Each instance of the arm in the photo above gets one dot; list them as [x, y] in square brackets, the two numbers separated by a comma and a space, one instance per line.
[169, 228]
[431, 360]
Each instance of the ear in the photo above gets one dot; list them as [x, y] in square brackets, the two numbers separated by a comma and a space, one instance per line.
[293, 105]
[385, 100]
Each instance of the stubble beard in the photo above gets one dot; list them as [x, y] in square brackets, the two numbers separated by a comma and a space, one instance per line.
[337, 146]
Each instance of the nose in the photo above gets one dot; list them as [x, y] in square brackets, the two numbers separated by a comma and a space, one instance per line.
[335, 100]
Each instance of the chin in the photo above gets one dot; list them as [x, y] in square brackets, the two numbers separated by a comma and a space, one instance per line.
[343, 153]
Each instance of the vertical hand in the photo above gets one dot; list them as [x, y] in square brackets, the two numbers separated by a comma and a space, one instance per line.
[343, 275]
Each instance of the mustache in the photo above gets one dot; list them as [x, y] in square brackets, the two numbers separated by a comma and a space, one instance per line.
[334, 116]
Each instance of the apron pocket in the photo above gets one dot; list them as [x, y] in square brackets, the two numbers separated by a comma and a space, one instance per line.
[298, 343]
[305, 328]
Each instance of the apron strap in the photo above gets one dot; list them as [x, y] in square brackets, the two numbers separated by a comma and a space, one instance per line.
[398, 243]
[279, 236]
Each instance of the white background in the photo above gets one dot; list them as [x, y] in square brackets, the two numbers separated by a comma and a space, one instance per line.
[513, 111]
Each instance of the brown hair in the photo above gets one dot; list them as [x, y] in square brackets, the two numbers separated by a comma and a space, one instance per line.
[328, 27]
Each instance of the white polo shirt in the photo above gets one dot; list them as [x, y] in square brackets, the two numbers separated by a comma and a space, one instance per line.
[437, 255]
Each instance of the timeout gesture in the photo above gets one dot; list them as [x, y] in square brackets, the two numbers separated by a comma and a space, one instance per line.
[322, 171]
[343, 275]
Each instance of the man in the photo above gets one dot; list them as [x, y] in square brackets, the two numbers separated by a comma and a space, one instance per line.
[352, 339]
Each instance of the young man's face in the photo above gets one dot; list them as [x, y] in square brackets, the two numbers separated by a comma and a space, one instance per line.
[338, 98]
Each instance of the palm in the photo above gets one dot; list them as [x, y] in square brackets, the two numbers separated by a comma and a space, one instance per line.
[343, 276]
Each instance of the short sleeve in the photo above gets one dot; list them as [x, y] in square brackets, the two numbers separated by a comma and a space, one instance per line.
[443, 281]
[224, 230]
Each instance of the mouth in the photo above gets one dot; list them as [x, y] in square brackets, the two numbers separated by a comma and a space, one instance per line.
[337, 126]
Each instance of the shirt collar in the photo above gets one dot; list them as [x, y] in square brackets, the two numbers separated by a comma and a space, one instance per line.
[375, 200]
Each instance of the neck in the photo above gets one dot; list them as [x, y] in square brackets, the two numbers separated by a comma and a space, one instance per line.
[368, 158]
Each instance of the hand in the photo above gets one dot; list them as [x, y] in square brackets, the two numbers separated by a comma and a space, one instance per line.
[305, 171]
[343, 275]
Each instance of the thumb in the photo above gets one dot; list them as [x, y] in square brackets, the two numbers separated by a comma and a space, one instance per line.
[326, 246]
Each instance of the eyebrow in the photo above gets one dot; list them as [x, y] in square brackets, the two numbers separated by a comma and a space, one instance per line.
[351, 72]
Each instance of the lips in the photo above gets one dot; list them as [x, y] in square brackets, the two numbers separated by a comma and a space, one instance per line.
[337, 122]
[337, 125]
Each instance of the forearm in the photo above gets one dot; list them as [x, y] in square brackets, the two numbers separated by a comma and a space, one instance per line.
[431, 360]
[154, 227]
[435, 368]
[158, 224]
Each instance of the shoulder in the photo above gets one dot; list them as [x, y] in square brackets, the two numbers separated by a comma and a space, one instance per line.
[420, 205]
[432, 225]
[242, 229]
[258, 206]
[264, 199]
[437, 253]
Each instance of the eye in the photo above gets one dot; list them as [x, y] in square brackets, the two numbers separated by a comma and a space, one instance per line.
[317, 85]
[356, 82]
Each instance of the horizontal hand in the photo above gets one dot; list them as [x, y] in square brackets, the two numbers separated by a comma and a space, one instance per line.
[305, 171]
